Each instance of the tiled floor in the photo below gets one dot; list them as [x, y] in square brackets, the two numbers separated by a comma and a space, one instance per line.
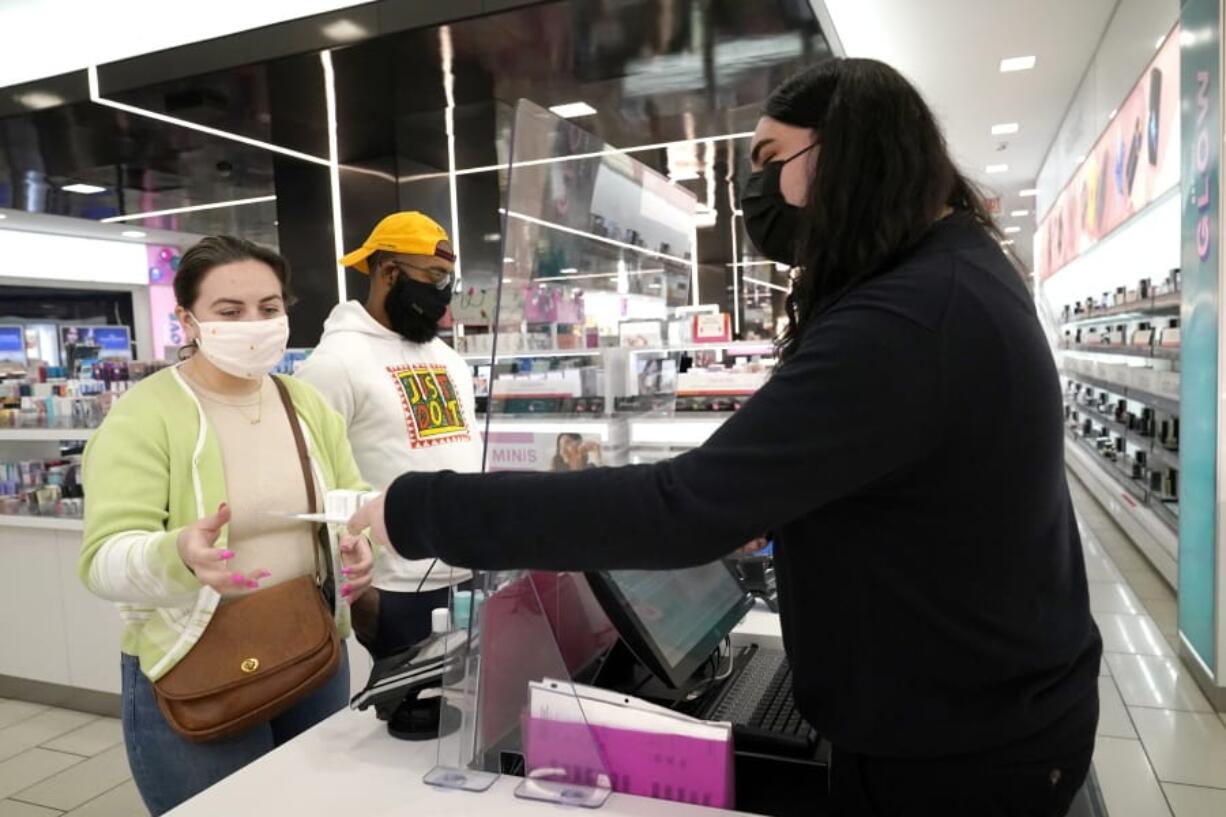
[1161, 747]
[55, 762]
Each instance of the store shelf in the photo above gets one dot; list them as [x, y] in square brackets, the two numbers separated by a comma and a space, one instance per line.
[1159, 455]
[44, 434]
[742, 347]
[1165, 511]
[1113, 425]
[1167, 304]
[485, 357]
[1133, 383]
[1154, 535]
[745, 347]
[41, 522]
[1156, 352]
[1136, 488]
[680, 431]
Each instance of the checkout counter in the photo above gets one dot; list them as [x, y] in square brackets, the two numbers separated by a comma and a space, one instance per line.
[349, 764]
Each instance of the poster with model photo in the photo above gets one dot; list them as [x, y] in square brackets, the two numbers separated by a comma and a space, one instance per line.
[543, 451]
[1135, 161]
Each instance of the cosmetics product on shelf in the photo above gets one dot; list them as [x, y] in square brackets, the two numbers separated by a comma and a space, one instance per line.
[1141, 457]
[1087, 427]
[1143, 289]
[1121, 411]
[1168, 434]
[1118, 297]
[1170, 483]
[1147, 422]
[1143, 336]
[41, 488]
[1155, 481]
[1138, 469]
[1170, 337]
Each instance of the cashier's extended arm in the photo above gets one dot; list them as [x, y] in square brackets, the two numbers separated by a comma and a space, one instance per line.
[843, 412]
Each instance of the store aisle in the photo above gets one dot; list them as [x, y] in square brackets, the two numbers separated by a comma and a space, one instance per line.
[1161, 747]
[55, 761]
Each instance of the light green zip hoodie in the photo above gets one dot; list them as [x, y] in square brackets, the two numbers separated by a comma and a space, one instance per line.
[152, 469]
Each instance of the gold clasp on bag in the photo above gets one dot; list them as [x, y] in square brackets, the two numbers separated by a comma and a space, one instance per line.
[250, 665]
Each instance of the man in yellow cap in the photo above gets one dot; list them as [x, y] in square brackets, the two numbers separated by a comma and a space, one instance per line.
[407, 399]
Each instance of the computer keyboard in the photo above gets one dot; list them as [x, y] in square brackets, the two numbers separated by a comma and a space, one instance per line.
[760, 706]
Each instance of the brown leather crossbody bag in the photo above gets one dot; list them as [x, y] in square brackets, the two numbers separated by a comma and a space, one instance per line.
[261, 653]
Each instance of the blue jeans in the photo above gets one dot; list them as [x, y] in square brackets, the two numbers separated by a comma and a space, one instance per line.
[169, 769]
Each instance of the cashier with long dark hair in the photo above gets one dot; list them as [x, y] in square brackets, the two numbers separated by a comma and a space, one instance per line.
[908, 454]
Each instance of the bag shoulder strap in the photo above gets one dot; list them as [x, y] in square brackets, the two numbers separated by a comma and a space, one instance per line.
[304, 459]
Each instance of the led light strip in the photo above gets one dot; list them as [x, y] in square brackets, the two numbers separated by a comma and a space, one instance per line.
[762, 283]
[563, 228]
[584, 276]
[447, 50]
[576, 157]
[334, 176]
[191, 208]
[736, 286]
[96, 97]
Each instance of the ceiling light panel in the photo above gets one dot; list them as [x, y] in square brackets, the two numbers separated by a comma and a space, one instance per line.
[1028, 193]
[83, 189]
[1020, 213]
[996, 169]
[1013, 230]
[1005, 128]
[573, 109]
[1011, 64]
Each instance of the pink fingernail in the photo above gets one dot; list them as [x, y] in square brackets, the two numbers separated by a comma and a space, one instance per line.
[345, 571]
[253, 584]
[346, 590]
[263, 574]
[237, 578]
[227, 554]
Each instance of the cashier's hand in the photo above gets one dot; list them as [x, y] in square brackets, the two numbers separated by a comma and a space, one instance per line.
[357, 566]
[210, 565]
[369, 519]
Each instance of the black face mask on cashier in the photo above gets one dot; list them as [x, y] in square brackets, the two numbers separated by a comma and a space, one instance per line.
[770, 220]
[414, 308]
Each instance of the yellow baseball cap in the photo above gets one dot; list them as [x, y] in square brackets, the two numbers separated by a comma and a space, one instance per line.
[410, 233]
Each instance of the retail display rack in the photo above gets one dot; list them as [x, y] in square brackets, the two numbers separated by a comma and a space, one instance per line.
[1119, 362]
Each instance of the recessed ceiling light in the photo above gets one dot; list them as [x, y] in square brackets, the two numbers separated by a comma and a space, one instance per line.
[1160, 41]
[1012, 230]
[344, 30]
[996, 168]
[1020, 213]
[37, 100]
[1016, 64]
[83, 189]
[1008, 242]
[132, 234]
[1004, 129]
[573, 109]
[568, 270]
[1028, 193]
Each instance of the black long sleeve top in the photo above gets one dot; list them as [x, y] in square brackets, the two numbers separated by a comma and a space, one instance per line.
[909, 460]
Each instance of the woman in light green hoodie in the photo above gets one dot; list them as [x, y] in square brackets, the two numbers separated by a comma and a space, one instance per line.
[190, 480]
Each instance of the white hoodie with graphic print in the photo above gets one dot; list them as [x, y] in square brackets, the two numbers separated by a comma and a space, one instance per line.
[408, 406]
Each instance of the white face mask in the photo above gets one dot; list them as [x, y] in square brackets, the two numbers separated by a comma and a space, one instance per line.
[246, 349]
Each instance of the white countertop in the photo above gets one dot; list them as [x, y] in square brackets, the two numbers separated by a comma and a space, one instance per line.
[349, 765]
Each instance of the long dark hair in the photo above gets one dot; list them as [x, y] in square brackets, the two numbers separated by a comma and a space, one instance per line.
[883, 176]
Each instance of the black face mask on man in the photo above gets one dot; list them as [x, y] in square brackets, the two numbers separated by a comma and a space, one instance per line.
[770, 220]
[415, 308]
